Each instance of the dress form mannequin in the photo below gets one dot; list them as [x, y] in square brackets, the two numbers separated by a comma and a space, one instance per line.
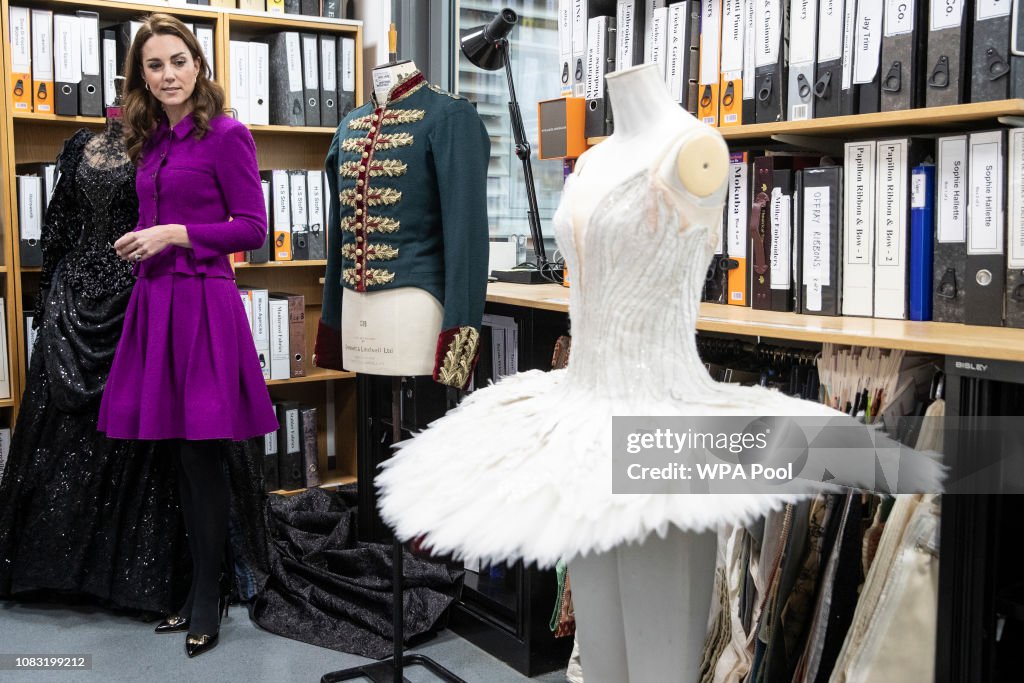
[641, 609]
[391, 332]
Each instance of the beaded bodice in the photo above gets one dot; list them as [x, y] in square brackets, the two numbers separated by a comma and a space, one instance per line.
[93, 204]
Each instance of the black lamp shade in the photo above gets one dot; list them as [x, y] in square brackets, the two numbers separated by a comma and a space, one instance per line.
[483, 45]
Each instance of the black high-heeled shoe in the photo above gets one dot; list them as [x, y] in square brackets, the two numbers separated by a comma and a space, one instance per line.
[172, 624]
[197, 644]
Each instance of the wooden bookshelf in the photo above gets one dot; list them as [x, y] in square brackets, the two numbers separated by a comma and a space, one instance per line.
[315, 263]
[313, 374]
[998, 343]
[947, 119]
[27, 137]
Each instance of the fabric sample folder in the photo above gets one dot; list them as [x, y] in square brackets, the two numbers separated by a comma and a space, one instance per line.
[730, 88]
[328, 81]
[949, 34]
[286, 80]
[990, 51]
[710, 53]
[90, 91]
[600, 61]
[737, 235]
[949, 264]
[42, 62]
[311, 78]
[821, 202]
[859, 229]
[803, 51]
[867, 55]
[986, 228]
[903, 54]
[1015, 232]
[67, 63]
[770, 63]
[895, 159]
[828, 74]
[19, 33]
[922, 228]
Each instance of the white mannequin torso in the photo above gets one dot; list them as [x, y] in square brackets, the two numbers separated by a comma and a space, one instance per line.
[391, 332]
[644, 112]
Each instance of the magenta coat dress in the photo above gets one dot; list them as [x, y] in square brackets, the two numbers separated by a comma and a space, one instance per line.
[186, 366]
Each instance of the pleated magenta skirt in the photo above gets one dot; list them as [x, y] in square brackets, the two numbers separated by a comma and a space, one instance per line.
[186, 366]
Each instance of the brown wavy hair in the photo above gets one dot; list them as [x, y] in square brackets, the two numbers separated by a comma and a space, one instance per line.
[142, 111]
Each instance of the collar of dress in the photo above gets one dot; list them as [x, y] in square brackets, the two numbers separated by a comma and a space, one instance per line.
[182, 129]
[402, 89]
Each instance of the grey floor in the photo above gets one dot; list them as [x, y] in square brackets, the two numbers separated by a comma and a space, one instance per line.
[126, 650]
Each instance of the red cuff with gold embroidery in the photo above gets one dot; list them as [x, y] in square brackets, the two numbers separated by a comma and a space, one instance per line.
[457, 352]
[327, 351]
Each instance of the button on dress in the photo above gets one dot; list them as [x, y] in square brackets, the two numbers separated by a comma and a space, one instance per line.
[186, 366]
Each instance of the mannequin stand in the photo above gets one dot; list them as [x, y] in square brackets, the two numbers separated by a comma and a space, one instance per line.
[390, 670]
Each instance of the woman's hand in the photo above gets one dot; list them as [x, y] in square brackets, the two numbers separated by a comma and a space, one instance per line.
[143, 244]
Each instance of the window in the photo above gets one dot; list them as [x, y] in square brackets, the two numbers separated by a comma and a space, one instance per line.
[534, 51]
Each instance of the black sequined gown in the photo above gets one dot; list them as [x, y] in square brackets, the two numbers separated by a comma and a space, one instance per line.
[80, 513]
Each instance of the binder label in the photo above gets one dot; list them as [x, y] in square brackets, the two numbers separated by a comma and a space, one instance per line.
[329, 58]
[310, 63]
[579, 46]
[658, 25]
[803, 24]
[595, 57]
[31, 227]
[849, 32]
[21, 43]
[992, 9]
[986, 230]
[348, 65]
[891, 199]
[90, 44]
[292, 431]
[677, 60]
[769, 32]
[860, 185]
[109, 71]
[918, 193]
[293, 52]
[817, 201]
[781, 246]
[1016, 232]
[270, 443]
[737, 235]
[946, 14]
[749, 43]
[869, 41]
[951, 223]
[68, 62]
[830, 31]
[899, 17]
[732, 36]
[710, 38]
[625, 14]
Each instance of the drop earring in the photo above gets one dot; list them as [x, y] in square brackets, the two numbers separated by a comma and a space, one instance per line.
[147, 87]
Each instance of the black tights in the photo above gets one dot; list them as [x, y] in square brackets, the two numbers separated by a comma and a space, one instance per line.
[204, 503]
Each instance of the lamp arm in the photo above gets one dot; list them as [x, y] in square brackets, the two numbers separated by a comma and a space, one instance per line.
[523, 151]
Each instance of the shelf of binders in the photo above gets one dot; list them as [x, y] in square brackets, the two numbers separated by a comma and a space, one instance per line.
[958, 117]
[125, 9]
[99, 121]
[313, 374]
[996, 343]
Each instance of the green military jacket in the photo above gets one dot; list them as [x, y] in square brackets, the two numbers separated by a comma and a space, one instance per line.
[408, 208]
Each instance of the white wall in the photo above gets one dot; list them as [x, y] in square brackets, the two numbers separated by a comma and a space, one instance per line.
[376, 16]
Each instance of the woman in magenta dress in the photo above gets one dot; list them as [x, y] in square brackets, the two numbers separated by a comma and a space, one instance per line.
[186, 367]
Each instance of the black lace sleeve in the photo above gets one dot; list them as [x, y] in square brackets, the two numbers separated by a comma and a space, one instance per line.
[62, 224]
